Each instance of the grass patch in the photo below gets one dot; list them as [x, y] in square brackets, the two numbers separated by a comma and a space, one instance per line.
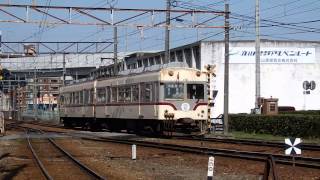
[267, 137]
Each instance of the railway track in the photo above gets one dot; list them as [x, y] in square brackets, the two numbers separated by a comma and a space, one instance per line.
[310, 147]
[257, 156]
[246, 155]
[80, 166]
[304, 146]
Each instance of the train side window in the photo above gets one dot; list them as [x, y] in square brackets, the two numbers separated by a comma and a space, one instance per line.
[156, 91]
[86, 96]
[135, 93]
[148, 92]
[114, 94]
[91, 96]
[72, 98]
[101, 95]
[124, 94]
[108, 94]
[195, 91]
[76, 98]
[81, 97]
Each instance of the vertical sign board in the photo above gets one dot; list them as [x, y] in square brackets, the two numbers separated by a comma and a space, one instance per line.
[134, 152]
[210, 168]
[293, 146]
[217, 124]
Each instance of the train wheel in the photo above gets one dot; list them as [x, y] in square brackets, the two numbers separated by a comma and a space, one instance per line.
[168, 128]
[86, 126]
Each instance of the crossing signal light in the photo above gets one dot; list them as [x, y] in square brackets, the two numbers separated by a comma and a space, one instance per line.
[211, 68]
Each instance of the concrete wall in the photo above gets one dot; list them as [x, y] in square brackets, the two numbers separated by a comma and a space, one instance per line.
[279, 80]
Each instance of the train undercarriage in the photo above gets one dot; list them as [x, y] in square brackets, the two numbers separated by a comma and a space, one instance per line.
[166, 127]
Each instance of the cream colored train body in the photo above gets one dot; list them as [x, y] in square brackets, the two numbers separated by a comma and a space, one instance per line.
[170, 99]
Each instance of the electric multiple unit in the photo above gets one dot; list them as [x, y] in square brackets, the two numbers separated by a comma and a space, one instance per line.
[170, 99]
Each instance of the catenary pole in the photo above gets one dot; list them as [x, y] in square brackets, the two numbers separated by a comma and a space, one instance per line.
[115, 50]
[226, 70]
[257, 49]
[167, 34]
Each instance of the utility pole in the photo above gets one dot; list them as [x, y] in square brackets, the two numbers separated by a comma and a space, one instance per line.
[115, 50]
[226, 69]
[35, 95]
[64, 69]
[167, 34]
[0, 42]
[257, 49]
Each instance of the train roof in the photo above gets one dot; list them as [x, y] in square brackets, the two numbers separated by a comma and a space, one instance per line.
[135, 72]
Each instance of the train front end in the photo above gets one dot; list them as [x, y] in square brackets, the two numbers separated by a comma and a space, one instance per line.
[184, 93]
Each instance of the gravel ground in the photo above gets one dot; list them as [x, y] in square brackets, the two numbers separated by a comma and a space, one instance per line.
[264, 149]
[114, 162]
[16, 161]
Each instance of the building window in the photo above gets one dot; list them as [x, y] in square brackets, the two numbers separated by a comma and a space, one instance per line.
[158, 60]
[272, 107]
[151, 61]
[196, 52]
[179, 56]
[145, 63]
[139, 63]
[188, 56]
[172, 57]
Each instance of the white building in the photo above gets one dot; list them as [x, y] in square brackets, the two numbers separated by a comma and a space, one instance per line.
[285, 65]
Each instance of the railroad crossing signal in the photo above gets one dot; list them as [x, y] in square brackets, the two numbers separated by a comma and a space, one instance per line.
[293, 146]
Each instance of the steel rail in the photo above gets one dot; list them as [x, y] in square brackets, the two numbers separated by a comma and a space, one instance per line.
[256, 156]
[311, 147]
[85, 168]
[38, 161]
[77, 162]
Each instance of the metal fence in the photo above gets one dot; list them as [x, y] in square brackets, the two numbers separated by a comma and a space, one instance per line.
[42, 115]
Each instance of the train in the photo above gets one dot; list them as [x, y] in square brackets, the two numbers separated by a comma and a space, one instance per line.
[172, 99]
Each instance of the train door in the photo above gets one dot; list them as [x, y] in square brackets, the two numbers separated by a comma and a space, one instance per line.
[94, 99]
[82, 102]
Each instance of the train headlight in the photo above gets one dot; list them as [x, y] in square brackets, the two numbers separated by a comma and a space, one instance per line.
[185, 106]
[198, 73]
[170, 73]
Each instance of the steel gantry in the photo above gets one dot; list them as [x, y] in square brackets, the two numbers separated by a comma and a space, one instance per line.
[117, 16]
[27, 48]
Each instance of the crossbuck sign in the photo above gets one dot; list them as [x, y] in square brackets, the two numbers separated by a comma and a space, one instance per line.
[293, 146]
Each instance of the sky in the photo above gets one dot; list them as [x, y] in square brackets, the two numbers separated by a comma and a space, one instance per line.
[280, 20]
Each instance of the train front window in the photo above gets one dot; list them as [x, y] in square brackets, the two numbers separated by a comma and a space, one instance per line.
[195, 91]
[174, 91]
